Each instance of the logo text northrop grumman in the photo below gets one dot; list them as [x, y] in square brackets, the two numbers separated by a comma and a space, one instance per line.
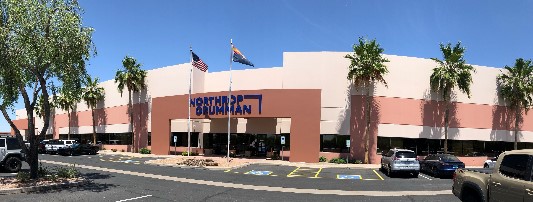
[218, 105]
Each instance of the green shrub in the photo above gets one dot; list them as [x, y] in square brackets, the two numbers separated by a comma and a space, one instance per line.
[43, 171]
[114, 150]
[337, 161]
[67, 172]
[358, 162]
[322, 159]
[192, 153]
[23, 176]
[145, 151]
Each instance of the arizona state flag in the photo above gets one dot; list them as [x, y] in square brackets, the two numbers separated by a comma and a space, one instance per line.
[239, 57]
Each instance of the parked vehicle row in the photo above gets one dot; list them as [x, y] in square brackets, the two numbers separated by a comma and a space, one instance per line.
[66, 147]
[398, 161]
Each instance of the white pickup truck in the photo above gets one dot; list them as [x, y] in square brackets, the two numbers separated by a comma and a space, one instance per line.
[510, 180]
[52, 146]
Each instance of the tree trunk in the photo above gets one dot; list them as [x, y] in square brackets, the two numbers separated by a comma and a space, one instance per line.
[68, 135]
[516, 125]
[94, 126]
[366, 136]
[33, 159]
[130, 106]
[446, 122]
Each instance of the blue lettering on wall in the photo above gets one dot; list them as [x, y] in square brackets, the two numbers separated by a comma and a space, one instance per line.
[218, 105]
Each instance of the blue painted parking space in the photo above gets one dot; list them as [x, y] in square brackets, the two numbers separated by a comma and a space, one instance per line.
[349, 177]
[254, 172]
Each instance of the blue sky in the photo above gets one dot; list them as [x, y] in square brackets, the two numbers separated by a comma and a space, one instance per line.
[159, 33]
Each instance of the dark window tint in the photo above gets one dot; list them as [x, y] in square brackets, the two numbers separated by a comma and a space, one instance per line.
[2, 142]
[514, 166]
[12, 143]
[403, 154]
[449, 158]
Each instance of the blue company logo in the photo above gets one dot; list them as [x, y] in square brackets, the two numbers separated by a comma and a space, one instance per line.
[218, 105]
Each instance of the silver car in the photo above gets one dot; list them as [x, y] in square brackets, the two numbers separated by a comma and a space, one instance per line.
[400, 161]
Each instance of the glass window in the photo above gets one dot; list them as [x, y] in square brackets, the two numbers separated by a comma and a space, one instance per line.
[182, 139]
[2, 142]
[13, 143]
[514, 166]
[405, 154]
[449, 158]
[149, 139]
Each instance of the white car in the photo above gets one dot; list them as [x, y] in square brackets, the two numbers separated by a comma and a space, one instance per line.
[490, 163]
[53, 145]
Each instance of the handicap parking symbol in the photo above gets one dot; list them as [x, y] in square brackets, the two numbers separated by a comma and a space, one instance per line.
[253, 172]
[349, 177]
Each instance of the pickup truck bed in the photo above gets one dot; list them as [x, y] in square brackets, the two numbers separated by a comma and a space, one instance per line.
[480, 170]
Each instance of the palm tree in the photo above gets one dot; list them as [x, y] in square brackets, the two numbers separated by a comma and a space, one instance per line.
[132, 77]
[517, 89]
[451, 72]
[67, 101]
[367, 67]
[92, 94]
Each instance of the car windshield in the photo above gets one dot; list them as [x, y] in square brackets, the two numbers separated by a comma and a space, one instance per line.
[449, 158]
[405, 154]
[75, 145]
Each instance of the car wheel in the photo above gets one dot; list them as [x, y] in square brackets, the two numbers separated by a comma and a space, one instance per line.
[13, 164]
[415, 174]
[486, 166]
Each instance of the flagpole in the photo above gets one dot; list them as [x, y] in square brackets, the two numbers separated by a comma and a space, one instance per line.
[229, 97]
[189, 104]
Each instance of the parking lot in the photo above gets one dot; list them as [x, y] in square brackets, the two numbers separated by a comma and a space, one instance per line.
[356, 174]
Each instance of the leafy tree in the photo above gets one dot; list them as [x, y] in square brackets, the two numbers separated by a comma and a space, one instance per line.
[517, 89]
[67, 100]
[133, 78]
[40, 41]
[366, 69]
[451, 72]
[92, 94]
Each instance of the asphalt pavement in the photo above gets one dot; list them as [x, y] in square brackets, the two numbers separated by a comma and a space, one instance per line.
[114, 186]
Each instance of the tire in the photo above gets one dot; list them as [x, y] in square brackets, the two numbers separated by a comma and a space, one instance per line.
[470, 196]
[13, 164]
[486, 166]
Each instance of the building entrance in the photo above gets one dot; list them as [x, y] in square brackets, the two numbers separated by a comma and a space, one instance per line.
[247, 145]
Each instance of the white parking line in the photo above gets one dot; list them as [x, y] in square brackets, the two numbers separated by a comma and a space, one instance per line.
[131, 199]
[424, 176]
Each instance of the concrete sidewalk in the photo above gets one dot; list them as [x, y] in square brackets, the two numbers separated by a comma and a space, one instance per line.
[257, 161]
[248, 161]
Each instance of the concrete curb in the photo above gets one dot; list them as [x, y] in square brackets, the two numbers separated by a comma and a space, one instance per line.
[53, 186]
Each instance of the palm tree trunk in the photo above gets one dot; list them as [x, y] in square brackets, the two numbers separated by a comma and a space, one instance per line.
[94, 126]
[366, 135]
[516, 124]
[446, 122]
[131, 121]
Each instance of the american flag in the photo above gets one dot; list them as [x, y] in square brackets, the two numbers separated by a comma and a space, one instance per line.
[198, 63]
